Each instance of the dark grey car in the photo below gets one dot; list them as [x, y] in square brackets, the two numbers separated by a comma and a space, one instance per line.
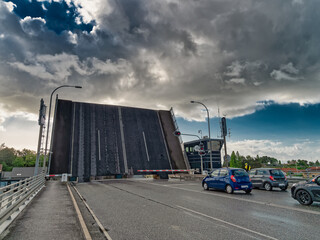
[307, 192]
[268, 178]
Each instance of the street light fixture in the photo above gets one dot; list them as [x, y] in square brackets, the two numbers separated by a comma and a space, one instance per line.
[45, 154]
[208, 130]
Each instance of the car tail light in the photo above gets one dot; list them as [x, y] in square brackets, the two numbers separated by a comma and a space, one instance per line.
[233, 178]
[272, 178]
[285, 177]
[314, 180]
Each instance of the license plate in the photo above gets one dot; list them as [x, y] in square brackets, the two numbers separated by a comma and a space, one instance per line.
[281, 185]
[244, 186]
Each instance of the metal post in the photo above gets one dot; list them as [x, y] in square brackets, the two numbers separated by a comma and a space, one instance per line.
[51, 139]
[225, 151]
[46, 146]
[201, 164]
[41, 122]
[211, 167]
[38, 151]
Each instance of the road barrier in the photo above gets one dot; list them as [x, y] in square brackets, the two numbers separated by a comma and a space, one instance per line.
[17, 194]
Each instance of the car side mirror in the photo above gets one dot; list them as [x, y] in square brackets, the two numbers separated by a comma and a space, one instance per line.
[318, 180]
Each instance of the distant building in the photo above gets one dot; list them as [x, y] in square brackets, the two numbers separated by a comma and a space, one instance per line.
[194, 157]
[18, 173]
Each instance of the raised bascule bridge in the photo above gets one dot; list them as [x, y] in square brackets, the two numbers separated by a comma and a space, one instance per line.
[94, 140]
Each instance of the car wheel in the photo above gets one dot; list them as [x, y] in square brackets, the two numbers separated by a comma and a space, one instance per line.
[205, 186]
[267, 186]
[304, 197]
[229, 189]
[248, 191]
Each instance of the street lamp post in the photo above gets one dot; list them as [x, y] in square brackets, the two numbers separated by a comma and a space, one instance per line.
[208, 131]
[47, 136]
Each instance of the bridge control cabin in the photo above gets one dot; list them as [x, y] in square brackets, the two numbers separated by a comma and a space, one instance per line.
[194, 157]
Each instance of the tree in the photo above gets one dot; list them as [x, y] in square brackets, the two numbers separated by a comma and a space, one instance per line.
[10, 157]
[317, 163]
[18, 162]
[7, 155]
[302, 163]
[233, 161]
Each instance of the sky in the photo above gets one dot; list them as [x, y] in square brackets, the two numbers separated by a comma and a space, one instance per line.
[255, 62]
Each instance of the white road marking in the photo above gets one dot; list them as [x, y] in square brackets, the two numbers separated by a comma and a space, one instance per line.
[225, 222]
[241, 199]
[179, 184]
[81, 220]
[94, 216]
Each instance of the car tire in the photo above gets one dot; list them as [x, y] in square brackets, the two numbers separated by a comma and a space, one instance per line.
[205, 186]
[229, 189]
[267, 186]
[304, 197]
[248, 191]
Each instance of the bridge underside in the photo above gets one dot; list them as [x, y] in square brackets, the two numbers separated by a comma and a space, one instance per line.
[98, 140]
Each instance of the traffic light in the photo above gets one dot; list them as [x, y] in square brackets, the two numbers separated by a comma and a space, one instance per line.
[202, 152]
[224, 126]
[177, 133]
[201, 145]
[42, 113]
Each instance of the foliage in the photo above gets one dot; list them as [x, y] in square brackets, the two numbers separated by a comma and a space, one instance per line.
[239, 161]
[233, 160]
[10, 157]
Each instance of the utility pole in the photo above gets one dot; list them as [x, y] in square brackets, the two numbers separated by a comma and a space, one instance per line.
[41, 122]
[224, 133]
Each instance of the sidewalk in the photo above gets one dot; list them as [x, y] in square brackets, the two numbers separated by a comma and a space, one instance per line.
[50, 215]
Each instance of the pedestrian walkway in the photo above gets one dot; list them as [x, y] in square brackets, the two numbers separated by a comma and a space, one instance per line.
[50, 215]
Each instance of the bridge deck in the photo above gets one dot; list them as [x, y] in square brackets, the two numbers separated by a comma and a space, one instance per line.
[50, 215]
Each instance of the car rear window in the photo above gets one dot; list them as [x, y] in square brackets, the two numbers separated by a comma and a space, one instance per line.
[277, 172]
[240, 173]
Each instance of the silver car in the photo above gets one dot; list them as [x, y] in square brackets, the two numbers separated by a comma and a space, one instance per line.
[268, 178]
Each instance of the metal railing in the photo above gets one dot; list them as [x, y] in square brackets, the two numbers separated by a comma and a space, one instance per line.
[14, 195]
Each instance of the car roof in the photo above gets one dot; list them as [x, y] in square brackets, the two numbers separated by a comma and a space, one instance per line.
[227, 168]
[230, 168]
[266, 169]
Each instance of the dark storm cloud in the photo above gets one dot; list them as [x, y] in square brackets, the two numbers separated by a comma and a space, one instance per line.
[154, 54]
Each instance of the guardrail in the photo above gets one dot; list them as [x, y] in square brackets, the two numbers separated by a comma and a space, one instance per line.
[16, 194]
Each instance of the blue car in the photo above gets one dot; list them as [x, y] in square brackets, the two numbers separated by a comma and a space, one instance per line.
[228, 179]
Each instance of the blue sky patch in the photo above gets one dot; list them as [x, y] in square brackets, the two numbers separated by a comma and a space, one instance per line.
[58, 15]
[278, 122]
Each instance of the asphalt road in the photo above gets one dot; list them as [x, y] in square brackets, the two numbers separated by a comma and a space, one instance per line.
[170, 209]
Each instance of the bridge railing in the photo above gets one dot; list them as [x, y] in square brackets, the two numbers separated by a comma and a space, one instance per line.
[16, 194]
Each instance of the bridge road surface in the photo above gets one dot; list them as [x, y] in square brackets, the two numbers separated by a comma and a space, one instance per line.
[172, 209]
[50, 215]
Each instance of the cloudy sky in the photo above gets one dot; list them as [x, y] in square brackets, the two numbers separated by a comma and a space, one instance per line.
[255, 61]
